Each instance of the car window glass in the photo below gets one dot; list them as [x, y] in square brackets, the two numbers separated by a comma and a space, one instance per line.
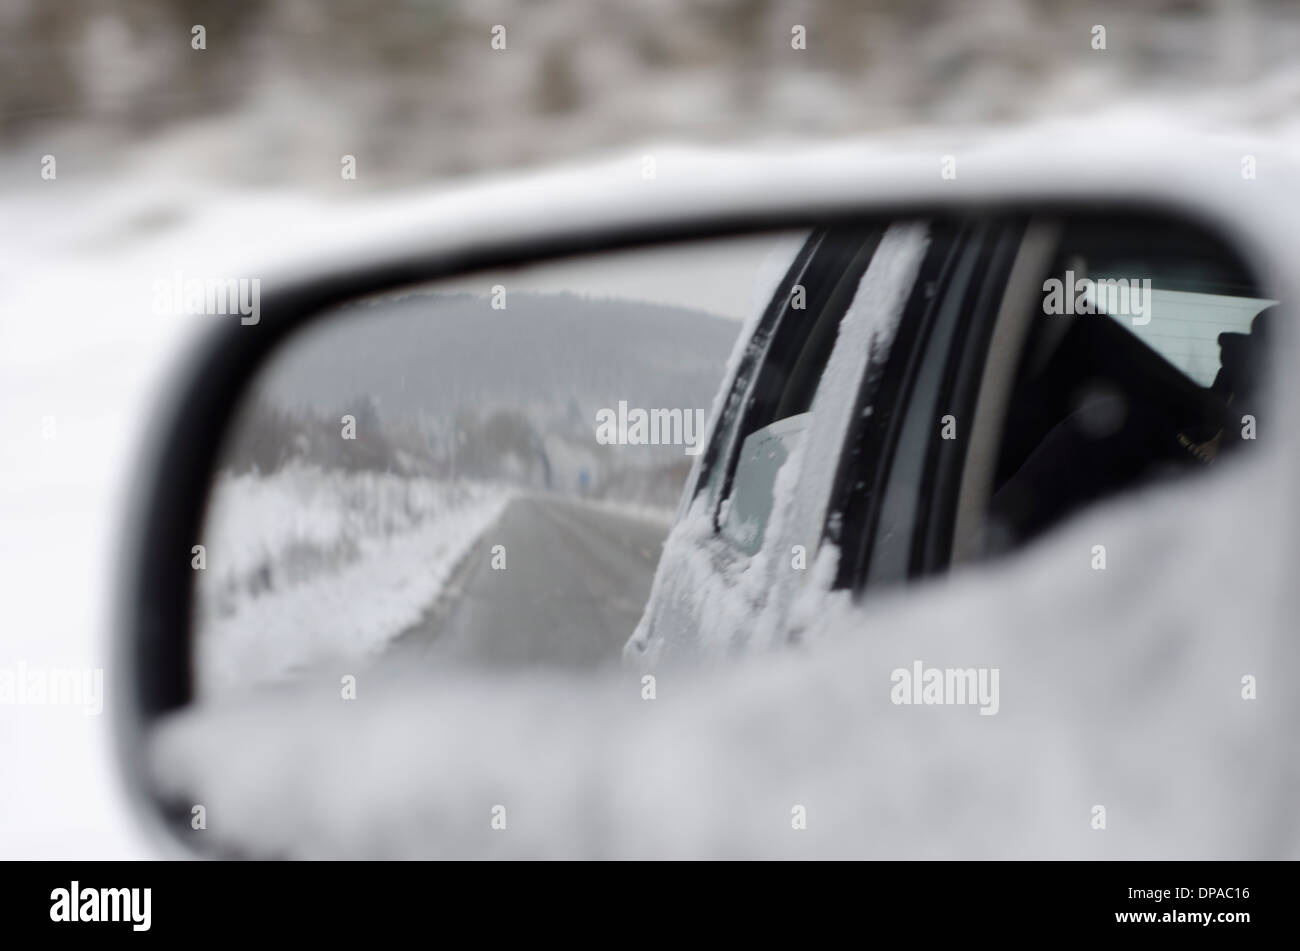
[1187, 332]
[1147, 356]
[749, 507]
[715, 462]
[786, 382]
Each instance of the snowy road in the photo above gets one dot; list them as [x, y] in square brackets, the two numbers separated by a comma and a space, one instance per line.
[575, 580]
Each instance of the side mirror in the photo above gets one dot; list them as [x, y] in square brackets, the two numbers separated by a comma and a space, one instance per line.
[434, 532]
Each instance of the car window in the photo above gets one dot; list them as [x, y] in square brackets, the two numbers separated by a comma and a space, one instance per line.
[775, 412]
[1186, 332]
[714, 466]
[1147, 353]
[1139, 358]
[749, 507]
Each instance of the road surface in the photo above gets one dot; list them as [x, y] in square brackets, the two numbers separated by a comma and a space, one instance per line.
[575, 580]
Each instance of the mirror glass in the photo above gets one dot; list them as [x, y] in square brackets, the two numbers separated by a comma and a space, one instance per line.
[460, 529]
[479, 472]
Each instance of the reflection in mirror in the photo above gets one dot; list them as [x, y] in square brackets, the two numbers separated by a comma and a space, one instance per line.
[479, 472]
[521, 550]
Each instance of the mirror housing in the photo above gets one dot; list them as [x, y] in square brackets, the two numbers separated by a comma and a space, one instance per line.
[524, 224]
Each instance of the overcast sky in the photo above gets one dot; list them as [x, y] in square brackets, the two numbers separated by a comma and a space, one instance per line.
[725, 277]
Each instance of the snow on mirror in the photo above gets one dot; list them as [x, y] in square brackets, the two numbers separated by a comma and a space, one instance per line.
[461, 534]
[478, 472]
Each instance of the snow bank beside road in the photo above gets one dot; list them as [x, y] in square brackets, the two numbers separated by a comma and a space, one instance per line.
[307, 565]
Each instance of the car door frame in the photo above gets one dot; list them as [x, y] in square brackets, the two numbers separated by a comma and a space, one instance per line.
[870, 458]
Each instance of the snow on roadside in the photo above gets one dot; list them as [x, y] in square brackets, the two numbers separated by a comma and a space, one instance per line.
[308, 566]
